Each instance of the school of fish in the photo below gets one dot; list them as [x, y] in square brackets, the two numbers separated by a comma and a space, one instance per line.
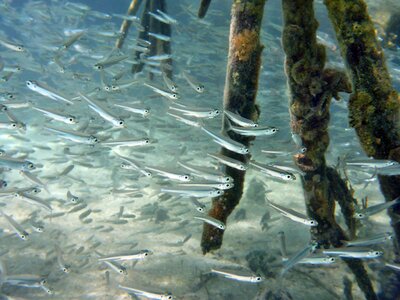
[106, 176]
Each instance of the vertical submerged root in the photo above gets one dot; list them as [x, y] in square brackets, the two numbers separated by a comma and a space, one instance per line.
[132, 10]
[244, 60]
[204, 4]
[157, 46]
[374, 106]
[312, 87]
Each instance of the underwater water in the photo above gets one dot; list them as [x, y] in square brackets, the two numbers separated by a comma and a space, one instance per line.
[93, 162]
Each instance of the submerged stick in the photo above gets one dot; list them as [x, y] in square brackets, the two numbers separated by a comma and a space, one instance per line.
[132, 10]
[204, 4]
[157, 46]
[374, 106]
[312, 87]
[244, 60]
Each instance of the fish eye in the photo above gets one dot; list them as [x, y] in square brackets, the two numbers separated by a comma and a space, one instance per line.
[360, 215]
[114, 87]
[98, 67]
[175, 96]
[221, 226]
[377, 253]
[10, 96]
[332, 259]
[13, 125]
[71, 120]
[20, 48]
[258, 278]
[246, 150]
[147, 141]
[31, 166]
[312, 222]
[274, 130]
[200, 209]
[4, 183]
[43, 281]
[28, 82]
[303, 150]
[121, 123]
[185, 177]
[256, 125]
[35, 190]
[23, 236]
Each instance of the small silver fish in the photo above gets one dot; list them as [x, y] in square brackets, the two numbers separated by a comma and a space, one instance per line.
[317, 260]
[66, 268]
[74, 136]
[136, 255]
[197, 112]
[127, 143]
[273, 171]
[298, 257]
[353, 252]
[254, 131]
[68, 119]
[370, 163]
[170, 174]
[185, 120]
[212, 221]
[172, 96]
[14, 163]
[170, 84]
[369, 211]
[198, 87]
[239, 120]
[231, 162]
[12, 46]
[106, 115]
[166, 296]
[293, 215]
[227, 142]
[195, 192]
[250, 279]
[144, 112]
[43, 89]
[206, 173]
[109, 62]
[160, 37]
[16, 226]
[372, 240]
